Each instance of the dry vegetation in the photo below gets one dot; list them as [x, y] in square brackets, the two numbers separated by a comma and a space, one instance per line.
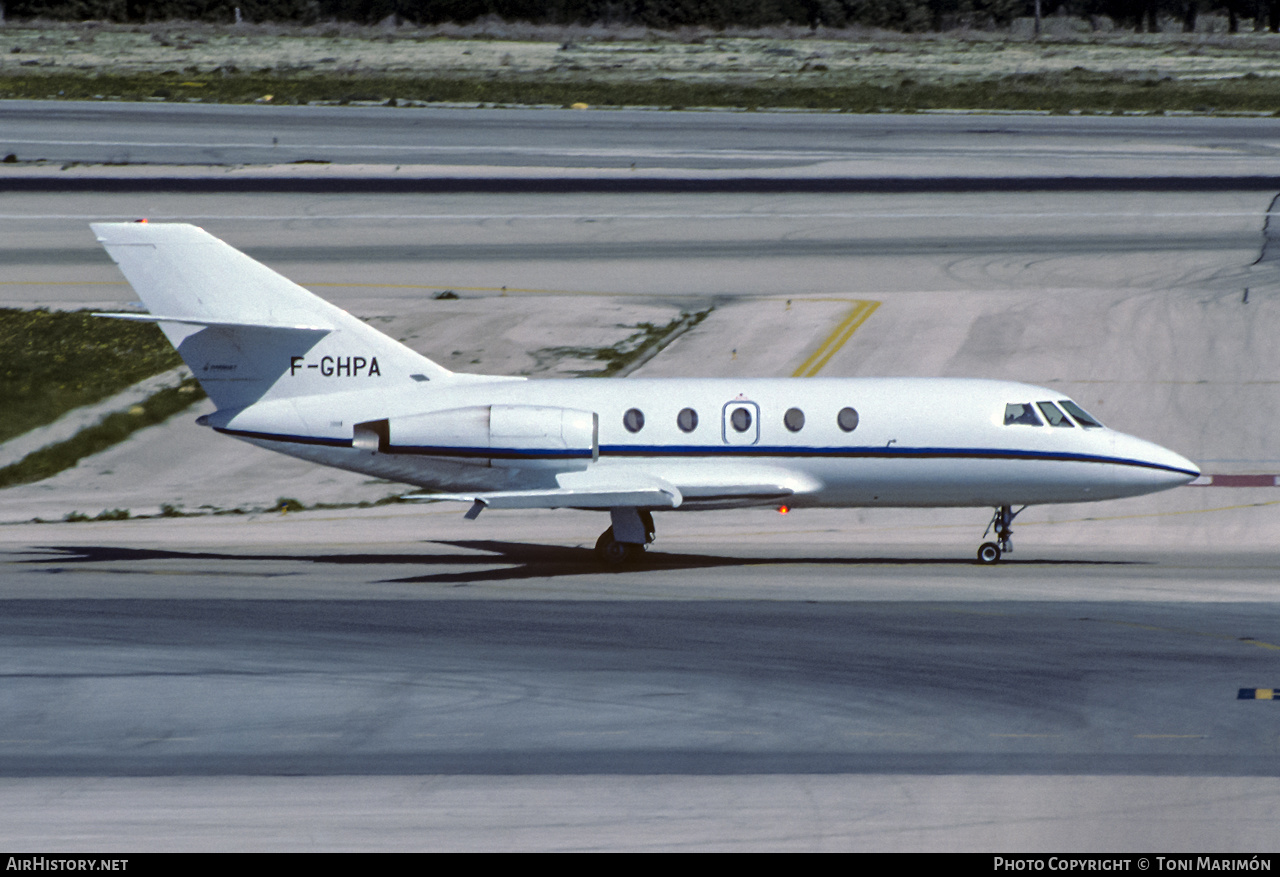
[495, 62]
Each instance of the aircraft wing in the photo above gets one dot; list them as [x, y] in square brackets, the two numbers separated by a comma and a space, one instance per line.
[641, 491]
[562, 498]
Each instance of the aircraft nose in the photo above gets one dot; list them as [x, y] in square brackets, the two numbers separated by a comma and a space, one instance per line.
[1150, 467]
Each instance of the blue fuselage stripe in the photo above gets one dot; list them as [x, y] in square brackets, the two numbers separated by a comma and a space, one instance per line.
[718, 451]
[880, 453]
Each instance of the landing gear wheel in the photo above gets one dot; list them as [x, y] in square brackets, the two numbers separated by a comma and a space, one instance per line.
[617, 554]
[1002, 524]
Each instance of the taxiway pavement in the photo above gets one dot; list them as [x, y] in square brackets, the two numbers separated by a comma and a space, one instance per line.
[768, 682]
[921, 145]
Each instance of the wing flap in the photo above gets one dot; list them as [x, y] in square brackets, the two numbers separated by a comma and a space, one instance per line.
[731, 496]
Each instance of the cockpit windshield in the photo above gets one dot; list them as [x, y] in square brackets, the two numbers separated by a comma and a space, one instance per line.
[1053, 415]
[1082, 417]
[1031, 414]
[1021, 413]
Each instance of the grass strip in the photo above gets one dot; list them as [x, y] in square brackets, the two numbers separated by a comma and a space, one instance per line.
[112, 430]
[1068, 91]
[55, 361]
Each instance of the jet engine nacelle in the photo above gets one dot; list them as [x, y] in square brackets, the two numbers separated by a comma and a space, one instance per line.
[517, 436]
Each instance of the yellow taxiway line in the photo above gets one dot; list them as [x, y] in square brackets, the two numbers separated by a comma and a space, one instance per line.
[862, 310]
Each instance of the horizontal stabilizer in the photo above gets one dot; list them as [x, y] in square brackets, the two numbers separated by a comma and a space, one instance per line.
[221, 324]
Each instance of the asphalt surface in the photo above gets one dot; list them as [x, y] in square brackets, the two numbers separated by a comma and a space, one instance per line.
[130, 653]
[666, 246]
[60, 131]
[201, 684]
[198, 686]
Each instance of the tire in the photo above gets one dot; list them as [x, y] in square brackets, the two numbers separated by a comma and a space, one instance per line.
[988, 553]
[615, 554]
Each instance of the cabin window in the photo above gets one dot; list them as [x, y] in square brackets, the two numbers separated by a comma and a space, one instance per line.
[687, 420]
[793, 419]
[1053, 415]
[740, 419]
[633, 420]
[1082, 418]
[847, 419]
[1021, 413]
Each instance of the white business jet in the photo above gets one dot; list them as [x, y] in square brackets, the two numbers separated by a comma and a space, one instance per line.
[292, 373]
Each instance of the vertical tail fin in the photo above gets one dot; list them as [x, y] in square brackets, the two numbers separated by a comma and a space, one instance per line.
[247, 332]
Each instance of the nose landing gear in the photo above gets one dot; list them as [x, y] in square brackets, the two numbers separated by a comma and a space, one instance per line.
[1002, 522]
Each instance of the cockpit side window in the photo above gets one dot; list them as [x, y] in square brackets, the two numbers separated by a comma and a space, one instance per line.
[1081, 416]
[1053, 415]
[1021, 413]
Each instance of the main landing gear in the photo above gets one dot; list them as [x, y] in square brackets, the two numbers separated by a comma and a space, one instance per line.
[623, 543]
[1002, 522]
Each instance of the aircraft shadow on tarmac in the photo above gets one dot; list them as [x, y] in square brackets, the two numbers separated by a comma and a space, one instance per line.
[519, 561]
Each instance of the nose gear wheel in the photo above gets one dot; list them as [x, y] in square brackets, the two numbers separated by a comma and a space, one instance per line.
[1002, 523]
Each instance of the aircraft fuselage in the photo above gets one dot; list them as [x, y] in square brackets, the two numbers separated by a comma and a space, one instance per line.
[914, 441]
